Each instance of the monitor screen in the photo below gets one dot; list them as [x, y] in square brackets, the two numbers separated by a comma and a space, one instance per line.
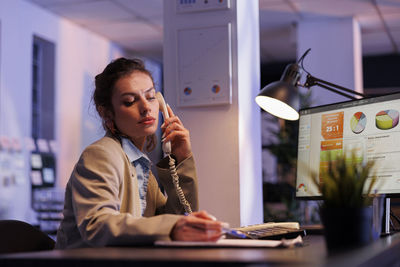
[368, 126]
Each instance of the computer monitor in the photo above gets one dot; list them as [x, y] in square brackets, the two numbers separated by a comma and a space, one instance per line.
[369, 126]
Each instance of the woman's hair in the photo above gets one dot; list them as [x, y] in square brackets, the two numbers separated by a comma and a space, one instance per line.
[104, 86]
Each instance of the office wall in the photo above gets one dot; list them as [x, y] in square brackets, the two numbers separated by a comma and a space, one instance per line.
[337, 60]
[80, 55]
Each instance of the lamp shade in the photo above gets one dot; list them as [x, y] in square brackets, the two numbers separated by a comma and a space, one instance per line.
[281, 98]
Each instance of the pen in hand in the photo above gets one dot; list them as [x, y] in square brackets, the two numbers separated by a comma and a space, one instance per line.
[226, 230]
[233, 233]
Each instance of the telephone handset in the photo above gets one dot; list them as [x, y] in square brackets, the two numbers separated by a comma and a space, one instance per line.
[166, 147]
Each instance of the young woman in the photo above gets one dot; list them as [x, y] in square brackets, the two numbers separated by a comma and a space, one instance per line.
[112, 198]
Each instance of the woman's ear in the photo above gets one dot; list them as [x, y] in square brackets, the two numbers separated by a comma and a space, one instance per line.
[107, 117]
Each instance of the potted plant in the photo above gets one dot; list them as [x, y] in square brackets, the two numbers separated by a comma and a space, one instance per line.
[346, 185]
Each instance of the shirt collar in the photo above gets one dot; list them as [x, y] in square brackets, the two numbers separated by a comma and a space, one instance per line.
[132, 151]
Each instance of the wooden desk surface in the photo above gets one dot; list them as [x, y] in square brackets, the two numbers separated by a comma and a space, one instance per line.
[384, 252]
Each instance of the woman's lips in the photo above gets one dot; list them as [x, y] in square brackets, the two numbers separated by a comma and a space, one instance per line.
[147, 120]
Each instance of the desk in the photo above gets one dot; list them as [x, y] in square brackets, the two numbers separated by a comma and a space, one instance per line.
[383, 252]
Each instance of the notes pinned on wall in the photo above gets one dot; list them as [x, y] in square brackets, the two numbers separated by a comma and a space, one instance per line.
[42, 145]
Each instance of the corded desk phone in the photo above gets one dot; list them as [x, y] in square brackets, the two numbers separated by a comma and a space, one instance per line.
[166, 147]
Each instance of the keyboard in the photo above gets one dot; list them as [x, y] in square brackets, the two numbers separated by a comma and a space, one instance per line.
[272, 231]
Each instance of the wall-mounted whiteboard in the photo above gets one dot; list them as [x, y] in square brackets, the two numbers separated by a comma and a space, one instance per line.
[204, 66]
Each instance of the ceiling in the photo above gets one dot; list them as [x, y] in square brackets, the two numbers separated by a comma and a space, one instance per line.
[137, 25]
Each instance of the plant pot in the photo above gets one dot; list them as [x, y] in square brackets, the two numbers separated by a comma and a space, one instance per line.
[347, 227]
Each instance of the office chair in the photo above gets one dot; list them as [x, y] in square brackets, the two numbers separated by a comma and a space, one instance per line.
[18, 236]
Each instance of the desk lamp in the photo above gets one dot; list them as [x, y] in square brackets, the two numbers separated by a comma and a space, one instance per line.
[281, 98]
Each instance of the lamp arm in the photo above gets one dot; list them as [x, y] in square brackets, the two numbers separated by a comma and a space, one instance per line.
[312, 81]
[336, 91]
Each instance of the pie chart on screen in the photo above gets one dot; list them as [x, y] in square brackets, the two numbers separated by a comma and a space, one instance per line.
[387, 119]
[358, 122]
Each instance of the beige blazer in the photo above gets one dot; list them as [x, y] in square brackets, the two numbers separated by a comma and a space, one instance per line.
[102, 204]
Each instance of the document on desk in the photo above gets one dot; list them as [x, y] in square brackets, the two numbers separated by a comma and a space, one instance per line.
[298, 241]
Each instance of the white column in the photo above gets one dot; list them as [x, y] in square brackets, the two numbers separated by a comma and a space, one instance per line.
[335, 55]
[226, 139]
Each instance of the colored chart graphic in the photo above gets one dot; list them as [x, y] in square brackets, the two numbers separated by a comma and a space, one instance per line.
[332, 145]
[332, 125]
[358, 122]
[387, 119]
[302, 187]
[330, 150]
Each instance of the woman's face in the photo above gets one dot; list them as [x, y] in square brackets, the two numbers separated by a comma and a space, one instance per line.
[135, 106]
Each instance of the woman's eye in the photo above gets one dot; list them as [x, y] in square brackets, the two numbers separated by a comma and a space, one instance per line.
[151, 98]
[128, 103]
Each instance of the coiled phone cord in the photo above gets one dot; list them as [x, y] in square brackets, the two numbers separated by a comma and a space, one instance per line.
[179, 191]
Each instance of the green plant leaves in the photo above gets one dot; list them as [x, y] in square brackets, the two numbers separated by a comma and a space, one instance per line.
[347, 182]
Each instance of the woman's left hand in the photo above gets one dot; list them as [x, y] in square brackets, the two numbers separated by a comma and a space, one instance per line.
[174, 131]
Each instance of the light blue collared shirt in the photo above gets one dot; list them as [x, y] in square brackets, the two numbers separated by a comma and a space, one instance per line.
[142, 165]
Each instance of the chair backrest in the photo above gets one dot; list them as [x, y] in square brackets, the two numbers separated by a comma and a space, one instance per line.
[18, 236]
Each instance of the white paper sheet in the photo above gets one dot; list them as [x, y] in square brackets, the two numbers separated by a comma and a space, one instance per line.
[235, 243]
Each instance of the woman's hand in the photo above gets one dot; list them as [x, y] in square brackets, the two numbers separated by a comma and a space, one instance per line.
[198, 226]
[174, 131]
